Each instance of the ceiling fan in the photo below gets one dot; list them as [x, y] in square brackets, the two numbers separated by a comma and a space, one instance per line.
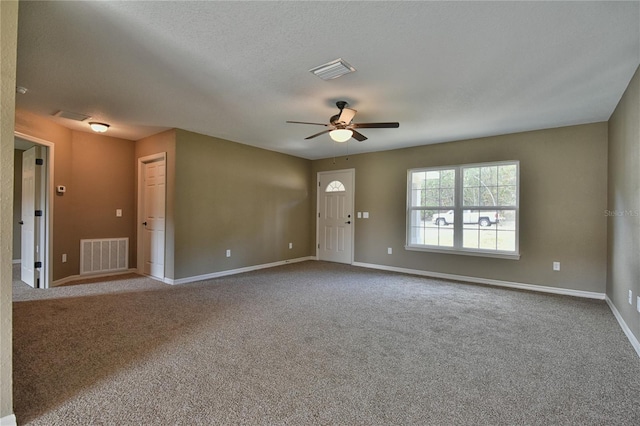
[341, 128]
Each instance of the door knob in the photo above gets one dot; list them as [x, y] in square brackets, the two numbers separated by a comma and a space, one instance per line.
[144, 223]
[348, 222]
[21, 223]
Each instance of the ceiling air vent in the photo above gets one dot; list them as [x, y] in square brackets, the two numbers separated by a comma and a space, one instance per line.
[71, 115]
[333, 69]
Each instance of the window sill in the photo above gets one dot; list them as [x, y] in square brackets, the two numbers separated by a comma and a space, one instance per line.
[497, 255]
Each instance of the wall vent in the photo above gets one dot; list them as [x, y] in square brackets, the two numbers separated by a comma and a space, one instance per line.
[104, 255]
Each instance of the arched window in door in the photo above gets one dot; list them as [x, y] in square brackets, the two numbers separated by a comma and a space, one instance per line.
[335, 186]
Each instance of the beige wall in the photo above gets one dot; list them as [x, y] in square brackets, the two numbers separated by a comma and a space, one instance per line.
[623, 273]
[17, 203]
[563, 176]
[8, 35]
[232, 196]
[99, 173]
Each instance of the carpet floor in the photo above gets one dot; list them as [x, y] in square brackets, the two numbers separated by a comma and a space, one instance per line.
[317, 343]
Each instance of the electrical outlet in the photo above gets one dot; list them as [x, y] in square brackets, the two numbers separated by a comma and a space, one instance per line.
[228, 253]
[389, 250]
[556, 266]
[64, 257]
[365, 215]
[290, 246]
[630, 297]
[118, 212]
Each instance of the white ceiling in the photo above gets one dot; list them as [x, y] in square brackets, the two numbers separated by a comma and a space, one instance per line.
[238, 70]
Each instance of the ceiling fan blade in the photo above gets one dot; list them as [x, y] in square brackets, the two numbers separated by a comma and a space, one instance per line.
[318, 134]
[305, 122]
[347, 115]
[358, 136]
[375, 125]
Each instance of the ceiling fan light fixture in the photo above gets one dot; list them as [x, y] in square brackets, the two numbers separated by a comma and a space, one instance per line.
[341, 135]
[99, 127]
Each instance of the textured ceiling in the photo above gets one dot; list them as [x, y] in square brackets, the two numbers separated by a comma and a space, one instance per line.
[238, 70]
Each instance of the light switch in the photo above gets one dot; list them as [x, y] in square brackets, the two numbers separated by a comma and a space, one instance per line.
[118, 212]
[359, 215]
[365, 215]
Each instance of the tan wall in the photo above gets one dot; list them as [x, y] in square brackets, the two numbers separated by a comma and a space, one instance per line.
[232, 196]
[164, 142]
[99, 173]
[8, 49]
[623, 273]
[563, 176]
[103, 180]
[17, 203]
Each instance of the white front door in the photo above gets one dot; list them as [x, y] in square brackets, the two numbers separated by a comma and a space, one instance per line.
[30, 229]
[335, 216]
[152, 213]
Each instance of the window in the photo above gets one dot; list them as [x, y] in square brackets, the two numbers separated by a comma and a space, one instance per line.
[483, 196]
[335, 186]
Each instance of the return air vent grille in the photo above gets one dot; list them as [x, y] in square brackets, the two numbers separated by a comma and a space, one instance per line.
[104, 255]
[71, 115]
[333, 69]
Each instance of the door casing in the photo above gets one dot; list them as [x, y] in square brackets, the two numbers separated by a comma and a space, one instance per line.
[320, 192]
[141, 257]
[46, 204]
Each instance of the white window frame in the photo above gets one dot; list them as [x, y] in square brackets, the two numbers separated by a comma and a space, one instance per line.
[458, 212]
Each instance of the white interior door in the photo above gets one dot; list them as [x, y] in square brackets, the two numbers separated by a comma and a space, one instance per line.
[30, 226]
[152, 208]
[335, 216]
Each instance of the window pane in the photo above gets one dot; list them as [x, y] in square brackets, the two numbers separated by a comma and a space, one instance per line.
[448, 178]
[447, 197]
[432, 228]
[507, 195]
[483, 230]
[417, 179]
[471, 196]
[508, 174]
[335, 186]
[488, 196]
[489, 175]
[471, 176]
[434, 188]
[432, 197]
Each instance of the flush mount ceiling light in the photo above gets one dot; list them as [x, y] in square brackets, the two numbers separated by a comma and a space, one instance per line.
[341, 135]
[98, 127]
[333, 69]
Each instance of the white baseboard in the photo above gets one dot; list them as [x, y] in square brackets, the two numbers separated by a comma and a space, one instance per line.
[235, 271]
[627, 331]
[9, 420]
[87, 276]
[476, 280]
[15, 262]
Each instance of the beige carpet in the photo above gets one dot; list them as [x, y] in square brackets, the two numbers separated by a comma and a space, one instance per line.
[318, 343]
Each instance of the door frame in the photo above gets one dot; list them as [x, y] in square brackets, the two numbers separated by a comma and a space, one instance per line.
[160, 156]
[46, 237]
[319, 190]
